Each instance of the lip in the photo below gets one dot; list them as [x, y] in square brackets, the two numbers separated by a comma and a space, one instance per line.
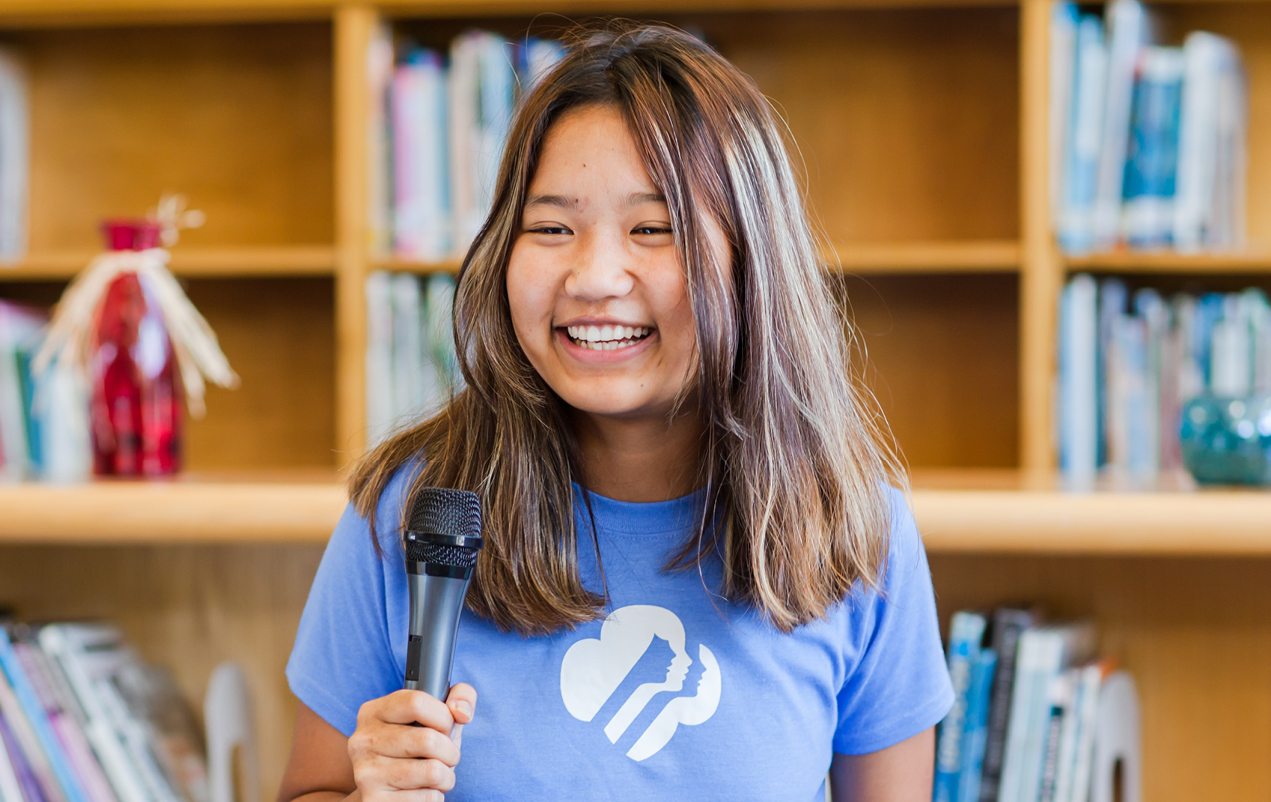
[590, 357]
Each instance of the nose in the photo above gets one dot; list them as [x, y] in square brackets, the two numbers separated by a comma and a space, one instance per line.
[601, 271]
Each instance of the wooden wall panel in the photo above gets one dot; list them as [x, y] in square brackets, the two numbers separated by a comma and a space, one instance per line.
[942, 361]
[186, 607]
[237, 117]
[907, 120]
[1196, 635]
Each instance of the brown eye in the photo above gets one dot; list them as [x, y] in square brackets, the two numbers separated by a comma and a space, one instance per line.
[651, 230]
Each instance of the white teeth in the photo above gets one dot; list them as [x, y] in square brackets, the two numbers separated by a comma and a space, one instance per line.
[606, 333]
[607, 338]
[593, 333]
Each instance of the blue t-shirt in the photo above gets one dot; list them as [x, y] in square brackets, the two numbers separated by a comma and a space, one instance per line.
[678, 693]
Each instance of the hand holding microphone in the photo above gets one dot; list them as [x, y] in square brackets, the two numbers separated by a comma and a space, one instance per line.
[409, 741]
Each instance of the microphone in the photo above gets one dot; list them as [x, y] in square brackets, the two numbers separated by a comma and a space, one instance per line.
[443, 536]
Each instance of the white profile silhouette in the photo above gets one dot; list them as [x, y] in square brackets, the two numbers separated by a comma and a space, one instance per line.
[682, 709]
[593, 668]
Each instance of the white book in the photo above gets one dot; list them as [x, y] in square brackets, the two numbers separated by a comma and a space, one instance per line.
[1156, 323]
[498, 102]
[1230, 354]
[1127, 34]
[1261, 333]
[1068, 735]
[18, 326]
[421, 179]
[408, 349]
[15, 155]
[379, 73]
[1203, 56]
[1027, 657]
[379, 356]
[61, 404]
[1063, 53]
[465, 141]
[1078, 376]
[1229, 196]
[1087, 711]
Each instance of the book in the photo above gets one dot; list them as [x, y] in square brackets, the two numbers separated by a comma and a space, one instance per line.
[966, 631]
[1007, 626]
[15, 155]
[1083, 137]
[10, 785]
[59, 763]
[1127, 31]
[379, 356]
[1058, 718]
[1078, 379]
[422, 216]
[24, 773]
[379, 139]
[1152, 155]
[1063, 53]
[975, 733]
[1044, 652]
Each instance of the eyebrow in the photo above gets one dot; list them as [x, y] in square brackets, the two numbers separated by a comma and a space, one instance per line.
[562, 202]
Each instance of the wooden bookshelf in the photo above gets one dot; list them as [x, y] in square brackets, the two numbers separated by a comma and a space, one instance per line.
[296, 260]
[1200, 264]
[922, 134]
[958, 512]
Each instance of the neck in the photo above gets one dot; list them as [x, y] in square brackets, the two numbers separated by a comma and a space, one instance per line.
[640, 460]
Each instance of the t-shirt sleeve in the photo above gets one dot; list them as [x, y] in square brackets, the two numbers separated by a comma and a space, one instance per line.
[343, 655]
[900, 684]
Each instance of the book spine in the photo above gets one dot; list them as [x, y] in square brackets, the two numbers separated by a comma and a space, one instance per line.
[1008, 624]
[1152, 158]
[10, 786]
[973, 741]
[1081, 160]
[1078, 377]
[39, 721]
[24, 774]
[1059, 712]
[1126, 26]
[28, 743]
[966, 630]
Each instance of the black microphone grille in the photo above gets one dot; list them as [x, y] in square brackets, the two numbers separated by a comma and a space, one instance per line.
[442, 511]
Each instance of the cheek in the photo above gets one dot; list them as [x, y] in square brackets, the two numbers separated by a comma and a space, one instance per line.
[528, 301]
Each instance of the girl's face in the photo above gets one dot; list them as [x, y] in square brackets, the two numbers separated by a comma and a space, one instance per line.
[595, 285]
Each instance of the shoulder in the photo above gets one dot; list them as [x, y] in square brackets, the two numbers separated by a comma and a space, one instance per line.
[906, 554]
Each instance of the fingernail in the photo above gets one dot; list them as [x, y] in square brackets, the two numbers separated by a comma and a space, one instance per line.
[464, 707]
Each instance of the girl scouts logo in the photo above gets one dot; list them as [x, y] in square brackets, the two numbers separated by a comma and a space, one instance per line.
[594, 668]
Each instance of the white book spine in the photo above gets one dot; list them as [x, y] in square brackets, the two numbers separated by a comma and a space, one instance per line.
[1063, 48]
[379, 356]
[1027, 655]
[1126, 36]
[1197, 141]
[1079, 379]
[1045, 669]
[15, 155]
[10, 790]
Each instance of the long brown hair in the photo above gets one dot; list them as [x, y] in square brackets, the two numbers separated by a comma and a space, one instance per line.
[796, 459]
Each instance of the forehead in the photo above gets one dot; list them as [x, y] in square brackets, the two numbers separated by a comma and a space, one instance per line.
[591, 150]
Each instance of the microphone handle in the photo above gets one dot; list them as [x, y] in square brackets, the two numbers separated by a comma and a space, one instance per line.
[435, 605]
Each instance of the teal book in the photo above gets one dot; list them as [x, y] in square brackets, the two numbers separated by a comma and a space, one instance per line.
[975, 732]
[966, 632]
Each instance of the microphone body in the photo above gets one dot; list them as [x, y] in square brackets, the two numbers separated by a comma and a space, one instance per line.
[442, 540]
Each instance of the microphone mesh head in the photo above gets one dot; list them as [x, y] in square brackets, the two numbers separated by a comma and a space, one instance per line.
[440, 554]
[441, 511]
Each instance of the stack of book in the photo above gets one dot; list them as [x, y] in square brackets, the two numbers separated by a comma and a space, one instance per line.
[83, 719]
[1127, 365]
[1148, 142]
[1023, 723]
[437, 134]
[44, 417]
[411, 367]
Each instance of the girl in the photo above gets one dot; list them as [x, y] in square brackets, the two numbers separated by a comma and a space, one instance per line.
[699, 578]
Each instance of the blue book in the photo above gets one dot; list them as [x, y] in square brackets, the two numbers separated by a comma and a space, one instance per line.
[39, 721]
[1083, 138]
[966, 632]
[1152, 159]
[975, 733]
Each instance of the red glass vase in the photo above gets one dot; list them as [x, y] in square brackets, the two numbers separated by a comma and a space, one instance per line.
[136, 404]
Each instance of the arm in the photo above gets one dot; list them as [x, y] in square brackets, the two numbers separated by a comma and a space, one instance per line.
[900, 773]
[387, 752]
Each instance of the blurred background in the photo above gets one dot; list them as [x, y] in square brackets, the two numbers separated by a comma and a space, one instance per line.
[1050, 225]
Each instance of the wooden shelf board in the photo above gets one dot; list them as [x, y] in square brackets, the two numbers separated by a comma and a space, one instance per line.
[1170, 262]
[299, 260]
[1002, 512]
[180, 511]
[974, 256]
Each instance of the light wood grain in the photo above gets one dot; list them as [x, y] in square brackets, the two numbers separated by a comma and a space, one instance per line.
[1200, 264]
[171, 512]
[297, 260]
[237, 117]
[1041, 276]
[354, 26]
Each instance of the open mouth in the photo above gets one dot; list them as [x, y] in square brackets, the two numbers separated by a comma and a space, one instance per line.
[606, 338]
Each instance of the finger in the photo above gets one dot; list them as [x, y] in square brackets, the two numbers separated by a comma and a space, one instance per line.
[462, 702]
[410, 707]
[417, 775]
[401, 742]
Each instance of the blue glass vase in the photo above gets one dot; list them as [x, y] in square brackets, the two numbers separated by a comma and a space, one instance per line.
[1228, 440]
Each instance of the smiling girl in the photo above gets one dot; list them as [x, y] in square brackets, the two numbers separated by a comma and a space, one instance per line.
[701, 579]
